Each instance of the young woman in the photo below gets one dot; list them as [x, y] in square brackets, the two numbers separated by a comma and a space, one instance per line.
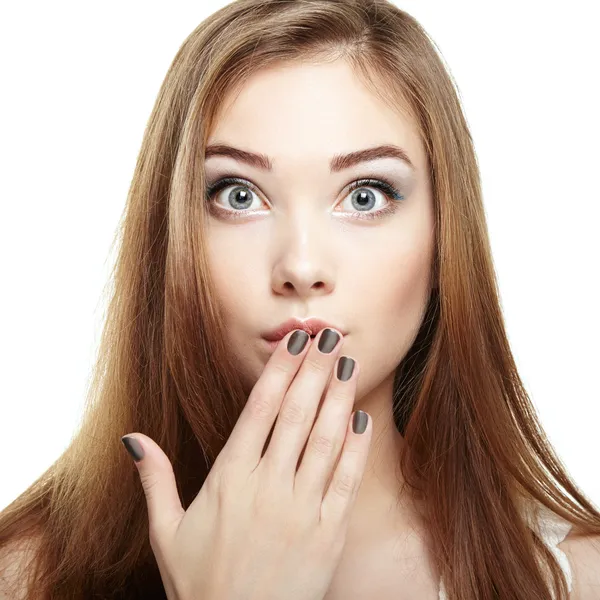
[307, 171]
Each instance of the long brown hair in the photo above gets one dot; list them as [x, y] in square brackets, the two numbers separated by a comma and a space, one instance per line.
[476, 450]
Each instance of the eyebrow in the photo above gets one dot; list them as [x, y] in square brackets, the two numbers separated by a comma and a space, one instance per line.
[339, 162]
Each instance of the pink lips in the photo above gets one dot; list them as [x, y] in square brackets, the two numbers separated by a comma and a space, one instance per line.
[312, 326]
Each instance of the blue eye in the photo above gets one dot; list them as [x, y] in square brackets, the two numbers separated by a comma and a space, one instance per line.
[365, 196]
[243, 192]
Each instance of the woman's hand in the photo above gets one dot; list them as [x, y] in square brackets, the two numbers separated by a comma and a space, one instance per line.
[265, 527]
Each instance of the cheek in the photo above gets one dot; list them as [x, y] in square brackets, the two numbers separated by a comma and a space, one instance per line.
[390, 290]
[395, 297]
[393, 278]
[236, 265]
[234, 270]
[409, 280]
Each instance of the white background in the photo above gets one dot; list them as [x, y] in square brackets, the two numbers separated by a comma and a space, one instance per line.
[78, 83]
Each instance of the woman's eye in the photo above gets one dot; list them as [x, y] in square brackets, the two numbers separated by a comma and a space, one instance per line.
[241, 197]
[366, 198]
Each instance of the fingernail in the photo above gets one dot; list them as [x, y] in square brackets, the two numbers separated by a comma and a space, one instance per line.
[359, 422]
[345, 368]
[328, 340]
[297, 342]
[133, 447]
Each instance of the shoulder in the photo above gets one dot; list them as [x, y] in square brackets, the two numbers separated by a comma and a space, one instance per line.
[14, 561]
[583, 552]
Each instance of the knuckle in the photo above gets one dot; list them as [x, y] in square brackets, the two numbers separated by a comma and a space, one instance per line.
[293, 413]
[332, 539]
[223, 467]
[229, 488]
[314, 365]
[337, 544]
[322, 445]
[223, 477]
[285, 366]
[339, 395]
[260, 407]
[220, 479]
[150, 482]
[218, 485]
[344, 485]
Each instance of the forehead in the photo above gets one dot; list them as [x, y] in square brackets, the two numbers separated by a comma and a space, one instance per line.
[298, 112]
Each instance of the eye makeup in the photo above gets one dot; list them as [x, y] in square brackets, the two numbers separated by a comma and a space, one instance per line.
[393, 196]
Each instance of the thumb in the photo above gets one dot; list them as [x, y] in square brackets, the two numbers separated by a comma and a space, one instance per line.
[158, 481]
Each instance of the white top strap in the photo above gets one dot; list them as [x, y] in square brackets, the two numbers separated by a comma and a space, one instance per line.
[553, 530]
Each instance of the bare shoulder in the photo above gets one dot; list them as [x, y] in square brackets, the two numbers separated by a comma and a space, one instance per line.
[583, 552]
[14, 561]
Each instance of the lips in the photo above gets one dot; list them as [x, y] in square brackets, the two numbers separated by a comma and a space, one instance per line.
[312, 326]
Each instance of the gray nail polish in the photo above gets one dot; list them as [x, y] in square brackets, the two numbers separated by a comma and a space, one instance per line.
[328, 340]
[345, 368]
[360, 421]
[133, 447]
[297, 342]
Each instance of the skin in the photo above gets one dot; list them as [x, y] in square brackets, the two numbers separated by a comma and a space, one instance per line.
[297, 252]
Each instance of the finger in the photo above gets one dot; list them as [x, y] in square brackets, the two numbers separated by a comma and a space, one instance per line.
[329, 432]
[158, 481]
[347, 477]
[297, 415]
[249, 435]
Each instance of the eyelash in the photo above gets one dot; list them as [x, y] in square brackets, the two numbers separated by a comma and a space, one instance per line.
[383, 185]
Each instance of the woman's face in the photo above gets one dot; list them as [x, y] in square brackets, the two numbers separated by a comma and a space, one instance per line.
[296, 249]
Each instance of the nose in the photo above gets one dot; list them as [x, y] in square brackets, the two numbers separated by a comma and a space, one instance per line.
[303, 285]
[304, 257]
